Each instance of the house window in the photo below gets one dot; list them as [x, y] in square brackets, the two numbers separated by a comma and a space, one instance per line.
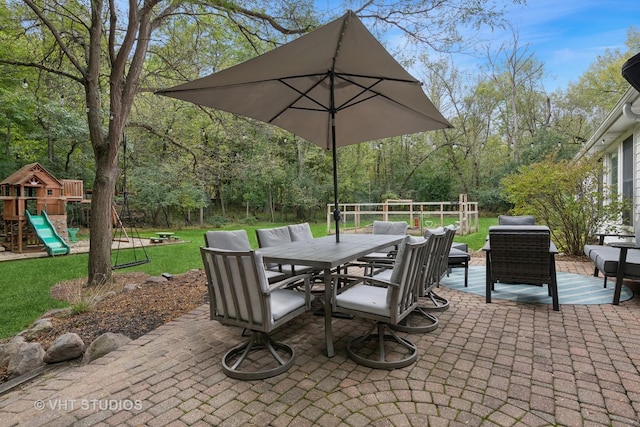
[627, 178]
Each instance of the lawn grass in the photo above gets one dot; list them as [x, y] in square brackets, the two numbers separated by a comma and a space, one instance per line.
[25, 284]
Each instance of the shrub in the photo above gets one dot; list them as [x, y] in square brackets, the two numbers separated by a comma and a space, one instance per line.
[568, 196]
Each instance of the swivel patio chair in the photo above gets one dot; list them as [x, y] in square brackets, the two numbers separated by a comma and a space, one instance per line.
[236, 240]
[440, 267]
[421, 320]
[387, 255]
[240, 295]
[386, 302]
[279, 236]
[521, 255]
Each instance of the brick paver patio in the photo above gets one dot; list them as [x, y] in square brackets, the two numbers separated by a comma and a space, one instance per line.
[499, 364]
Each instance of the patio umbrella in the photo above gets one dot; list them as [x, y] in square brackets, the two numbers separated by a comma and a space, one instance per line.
[334, 86]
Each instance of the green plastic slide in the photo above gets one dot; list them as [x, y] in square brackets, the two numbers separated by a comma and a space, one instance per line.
[46, 232]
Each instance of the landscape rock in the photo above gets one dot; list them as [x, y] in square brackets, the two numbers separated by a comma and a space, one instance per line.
[39, 327]
[29, 357]
[131, 287]
[156, 279]
[104, 344]
[7, 350]
[66, 347]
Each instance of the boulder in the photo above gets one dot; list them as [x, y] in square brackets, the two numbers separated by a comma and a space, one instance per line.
[7, 350]
[65, 347]
[131, 287]
[29, 357]
[104, 344]
[39, 327]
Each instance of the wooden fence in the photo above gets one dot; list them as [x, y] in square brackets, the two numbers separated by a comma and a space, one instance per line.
[420, 216]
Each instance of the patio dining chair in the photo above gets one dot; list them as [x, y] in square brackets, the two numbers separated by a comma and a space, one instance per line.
[240, 295]
[386, 255]
[422, 320]
[236, 240]
[386, 302]
[279, 236]
[440, 266]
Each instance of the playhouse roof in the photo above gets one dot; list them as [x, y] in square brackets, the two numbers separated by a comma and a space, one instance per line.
[28, 172]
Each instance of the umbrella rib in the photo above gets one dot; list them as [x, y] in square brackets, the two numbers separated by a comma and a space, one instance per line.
[302, 94]
[374, 93]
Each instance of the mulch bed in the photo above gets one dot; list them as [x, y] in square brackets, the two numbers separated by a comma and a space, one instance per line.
[149, 304]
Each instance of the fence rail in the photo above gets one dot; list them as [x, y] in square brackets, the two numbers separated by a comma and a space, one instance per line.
[419, 215]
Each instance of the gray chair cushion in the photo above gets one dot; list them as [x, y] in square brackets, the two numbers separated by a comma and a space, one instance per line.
[606, 260]
[457, 256]
[233, 240]
[390, 227]
[273, 236]
[460, 246]
[299, 232]
[284, 301]
[516, 220]
[370, 299]
[279, 236]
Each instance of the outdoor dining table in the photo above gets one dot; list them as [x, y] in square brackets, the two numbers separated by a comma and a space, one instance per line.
[326, 254]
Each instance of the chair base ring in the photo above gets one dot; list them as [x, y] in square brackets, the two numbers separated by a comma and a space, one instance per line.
[439, 303]
[381, 363]
[419, 321]
[233, 359]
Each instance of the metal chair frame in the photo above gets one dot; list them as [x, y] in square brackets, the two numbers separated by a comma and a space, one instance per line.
[401, 301]
[240, 295]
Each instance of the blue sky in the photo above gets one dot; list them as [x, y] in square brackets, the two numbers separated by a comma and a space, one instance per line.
[566, 35]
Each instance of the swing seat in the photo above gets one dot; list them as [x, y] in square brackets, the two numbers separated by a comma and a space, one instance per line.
[130, 264]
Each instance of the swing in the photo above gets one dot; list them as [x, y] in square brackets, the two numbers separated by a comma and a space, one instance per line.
[137, 255]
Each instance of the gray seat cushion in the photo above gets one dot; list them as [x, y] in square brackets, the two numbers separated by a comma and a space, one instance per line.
[606, 258]
[456, 256]
[369, 299]
[284, 301]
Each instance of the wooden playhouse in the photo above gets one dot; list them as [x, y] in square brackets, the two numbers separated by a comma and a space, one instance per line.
[35, 210]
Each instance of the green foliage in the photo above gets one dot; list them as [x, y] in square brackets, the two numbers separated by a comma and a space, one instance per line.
[565, 195]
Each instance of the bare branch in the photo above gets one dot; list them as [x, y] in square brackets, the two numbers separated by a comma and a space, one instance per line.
[56, 34]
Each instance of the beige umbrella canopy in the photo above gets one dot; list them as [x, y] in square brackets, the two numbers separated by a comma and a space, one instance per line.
[334, 86]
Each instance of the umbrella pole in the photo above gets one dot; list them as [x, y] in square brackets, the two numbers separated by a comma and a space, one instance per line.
[336, 207]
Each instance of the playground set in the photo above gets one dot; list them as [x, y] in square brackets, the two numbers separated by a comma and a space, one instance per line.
[35, 210]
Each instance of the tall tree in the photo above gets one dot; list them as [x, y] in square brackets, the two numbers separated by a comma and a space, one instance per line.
[518, 75]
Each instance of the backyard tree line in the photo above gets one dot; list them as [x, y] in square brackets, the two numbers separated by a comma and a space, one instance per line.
[77, 87]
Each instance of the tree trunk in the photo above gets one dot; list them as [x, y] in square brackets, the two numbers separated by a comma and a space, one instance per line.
[101, 221]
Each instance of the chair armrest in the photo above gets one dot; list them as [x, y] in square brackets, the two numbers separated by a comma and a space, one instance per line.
[352, 279]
